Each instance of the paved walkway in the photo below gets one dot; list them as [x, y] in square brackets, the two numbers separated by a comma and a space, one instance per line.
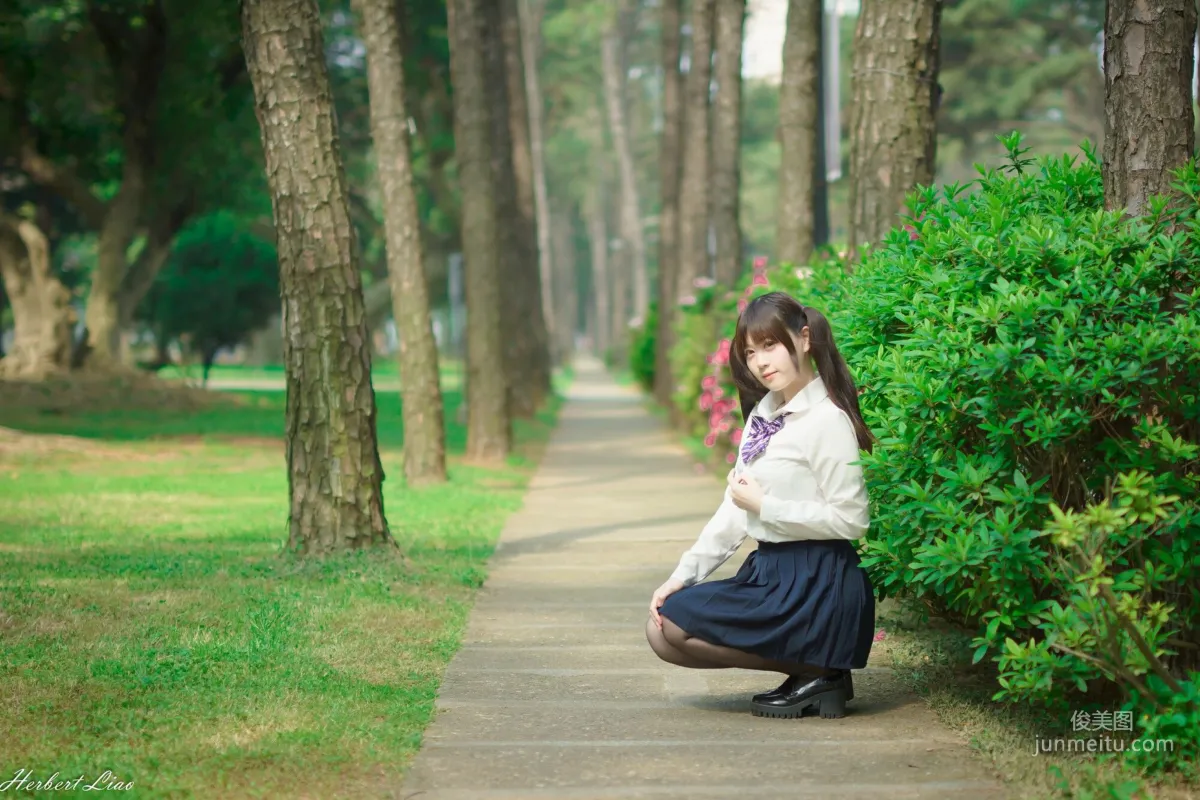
[555, 693]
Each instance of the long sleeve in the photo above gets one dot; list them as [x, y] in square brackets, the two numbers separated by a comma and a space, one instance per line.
[843, 513]
[719, 540]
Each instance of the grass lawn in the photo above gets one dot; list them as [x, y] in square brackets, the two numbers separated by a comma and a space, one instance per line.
[384, 370]
[150, 627]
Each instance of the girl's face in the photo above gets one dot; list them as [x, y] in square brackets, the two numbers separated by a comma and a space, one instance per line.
[771, 363]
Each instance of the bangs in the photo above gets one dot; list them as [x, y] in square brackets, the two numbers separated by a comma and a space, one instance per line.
[761, 322]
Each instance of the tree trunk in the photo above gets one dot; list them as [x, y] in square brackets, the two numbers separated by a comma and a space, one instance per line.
[41, 305]
[140, 66]
[1149, 119]
[618, 329]
[726, 145]
[630, 215]
[893, 134]
[799, 95]
[517, 342]
[139, 277]
[694, 196]
[670, 164]
[532, 289]
[489, 430]
[334, 472]
[420, 389]
[514, 261]
[102, 314]
[597, 227]
[530, 23]
[566, 280]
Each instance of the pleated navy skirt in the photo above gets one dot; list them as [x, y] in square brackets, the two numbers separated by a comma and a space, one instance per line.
[803, 601]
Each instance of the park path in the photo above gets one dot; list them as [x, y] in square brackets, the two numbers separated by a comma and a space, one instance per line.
[555, 693]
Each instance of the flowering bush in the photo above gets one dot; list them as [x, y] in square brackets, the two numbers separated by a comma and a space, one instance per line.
[704, 392]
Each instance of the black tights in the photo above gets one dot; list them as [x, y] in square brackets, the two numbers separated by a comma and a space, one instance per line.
[675, 646]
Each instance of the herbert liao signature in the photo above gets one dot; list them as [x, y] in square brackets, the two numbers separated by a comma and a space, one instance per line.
[23, 780]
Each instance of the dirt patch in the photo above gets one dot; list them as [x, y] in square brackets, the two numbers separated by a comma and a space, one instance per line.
[382, 645]
[14, 443]
[106, 391]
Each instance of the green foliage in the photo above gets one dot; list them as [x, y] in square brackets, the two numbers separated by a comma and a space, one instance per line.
[642, 345]
[1031, 365]
[1006, 62]
[1020, 349]
[220, 283]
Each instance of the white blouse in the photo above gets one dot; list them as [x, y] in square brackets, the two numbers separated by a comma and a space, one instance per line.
[812, 489]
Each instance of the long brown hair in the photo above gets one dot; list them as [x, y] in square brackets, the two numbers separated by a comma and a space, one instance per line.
[775, 316]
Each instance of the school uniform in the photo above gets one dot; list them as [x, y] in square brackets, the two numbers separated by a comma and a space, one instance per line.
[801, 596]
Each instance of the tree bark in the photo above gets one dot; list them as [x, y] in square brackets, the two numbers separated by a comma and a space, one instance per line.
[694, 193]
[489, 430]
[727, 138]
[566, 279]
[334, 471]
[420, 387]
[893, 135]
[530, 23]
[138, 71]
[799, 95]
[1149, 119]
[41, 305]
[597, 228]
[522, 157]
[670, 165]
[518, 342]
[630, 215]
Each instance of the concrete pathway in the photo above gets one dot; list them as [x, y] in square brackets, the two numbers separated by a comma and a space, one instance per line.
[555, 693]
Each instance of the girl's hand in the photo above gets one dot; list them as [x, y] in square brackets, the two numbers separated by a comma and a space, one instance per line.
[746, 492]
[660, 596]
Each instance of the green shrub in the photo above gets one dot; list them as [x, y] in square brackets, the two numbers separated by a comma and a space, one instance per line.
[1021, 351]
[643, 341]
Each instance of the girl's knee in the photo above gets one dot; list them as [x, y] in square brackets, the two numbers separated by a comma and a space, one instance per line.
[674, 635]
[653, 635]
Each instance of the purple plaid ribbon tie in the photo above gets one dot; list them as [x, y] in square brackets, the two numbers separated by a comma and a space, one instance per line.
[761, 432]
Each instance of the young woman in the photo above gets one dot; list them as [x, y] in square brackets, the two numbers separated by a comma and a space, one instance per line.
[800, 604]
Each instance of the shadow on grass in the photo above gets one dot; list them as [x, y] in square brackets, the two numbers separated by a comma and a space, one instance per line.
[227, 415]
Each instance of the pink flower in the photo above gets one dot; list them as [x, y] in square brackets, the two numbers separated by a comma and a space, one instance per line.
[687, 300]
[736, 436]
[703, 282]
[880, 635]
[725, 425]
[725, 345]
[742, 305]
[710, 440]
[714, 419]
[717, 392]
[706, 401]
[730, 458]
[760, 262]
[759, 280]
[709, 381]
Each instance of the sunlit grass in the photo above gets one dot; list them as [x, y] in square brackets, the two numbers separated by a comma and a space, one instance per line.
[149, 625]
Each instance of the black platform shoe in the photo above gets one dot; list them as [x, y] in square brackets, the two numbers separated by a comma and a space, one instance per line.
[829, 694]
[793, 681]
